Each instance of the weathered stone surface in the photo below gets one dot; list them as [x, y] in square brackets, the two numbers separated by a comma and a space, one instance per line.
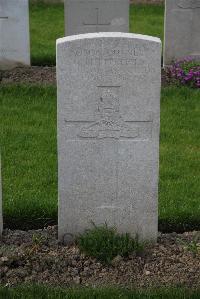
[14, 33]
[108, 132]
[84, 16]
[182, 34]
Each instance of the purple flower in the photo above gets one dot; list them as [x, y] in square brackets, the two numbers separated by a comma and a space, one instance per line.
[185, 71]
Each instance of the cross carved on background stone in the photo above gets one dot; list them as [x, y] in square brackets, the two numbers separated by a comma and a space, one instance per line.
[97, 23]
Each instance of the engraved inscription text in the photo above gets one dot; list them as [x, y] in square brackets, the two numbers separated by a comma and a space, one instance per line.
[189, 4]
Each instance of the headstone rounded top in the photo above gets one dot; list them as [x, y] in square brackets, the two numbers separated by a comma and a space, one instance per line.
[109, 35]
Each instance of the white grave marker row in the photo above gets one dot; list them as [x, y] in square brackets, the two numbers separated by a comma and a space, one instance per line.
[182, 30]
[14, 33]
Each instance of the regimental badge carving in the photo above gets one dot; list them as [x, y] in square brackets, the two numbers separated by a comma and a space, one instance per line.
[188, 4]
[110, 123]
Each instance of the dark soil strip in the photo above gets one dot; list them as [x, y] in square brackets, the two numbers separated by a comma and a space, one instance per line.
[31, 75]
[38, 75]
[164, 225]
[36, 257]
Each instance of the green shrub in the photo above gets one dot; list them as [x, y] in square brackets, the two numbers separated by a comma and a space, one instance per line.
[105, 243]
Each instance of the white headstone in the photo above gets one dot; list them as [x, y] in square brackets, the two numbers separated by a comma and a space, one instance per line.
[108, 132]
[14, 33]
[182, 30]
[84, 16]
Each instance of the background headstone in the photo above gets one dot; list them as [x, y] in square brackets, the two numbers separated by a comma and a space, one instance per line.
[182, 30]
[83, 16]
[14, 33]
[108, 132]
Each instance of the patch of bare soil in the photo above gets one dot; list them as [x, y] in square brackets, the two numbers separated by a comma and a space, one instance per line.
[36, 257]
[40, 75]
[34, 74]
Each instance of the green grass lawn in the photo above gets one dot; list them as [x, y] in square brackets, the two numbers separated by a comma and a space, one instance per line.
[47, 24]
[39, 292]
[29, 157]
[147, 19]
[179, 193]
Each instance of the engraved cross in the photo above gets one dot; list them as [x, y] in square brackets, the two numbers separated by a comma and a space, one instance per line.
[97, 23]
[189, 4]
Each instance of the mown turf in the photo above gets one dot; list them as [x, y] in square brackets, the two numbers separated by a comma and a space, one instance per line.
[47, 24]
[42, 292]
[147, 19]
[29, 157]
[179, 193]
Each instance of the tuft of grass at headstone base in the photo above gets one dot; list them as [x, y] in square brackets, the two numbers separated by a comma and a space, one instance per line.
[104, 244]
[44, 292]
[29, 157]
